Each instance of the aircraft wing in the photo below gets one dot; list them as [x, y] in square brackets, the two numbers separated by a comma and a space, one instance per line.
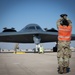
[27, 37]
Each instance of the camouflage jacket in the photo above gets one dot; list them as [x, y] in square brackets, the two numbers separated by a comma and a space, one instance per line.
[59, 20]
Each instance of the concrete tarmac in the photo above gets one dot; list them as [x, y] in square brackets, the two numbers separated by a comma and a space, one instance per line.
[32, 64]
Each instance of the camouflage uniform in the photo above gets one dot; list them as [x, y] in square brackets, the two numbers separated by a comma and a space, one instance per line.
[63, 51]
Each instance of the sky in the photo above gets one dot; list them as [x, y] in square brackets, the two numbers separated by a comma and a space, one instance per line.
[19, 13]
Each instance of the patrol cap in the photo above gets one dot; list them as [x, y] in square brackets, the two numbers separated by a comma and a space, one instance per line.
[63, 15]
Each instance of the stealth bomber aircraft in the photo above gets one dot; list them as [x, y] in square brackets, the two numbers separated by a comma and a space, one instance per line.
[32, 33]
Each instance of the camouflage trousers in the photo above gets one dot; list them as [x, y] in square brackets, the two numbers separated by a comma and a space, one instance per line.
[63, 53]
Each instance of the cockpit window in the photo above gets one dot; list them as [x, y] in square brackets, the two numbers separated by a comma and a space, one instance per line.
[37, 27]
[32, 27]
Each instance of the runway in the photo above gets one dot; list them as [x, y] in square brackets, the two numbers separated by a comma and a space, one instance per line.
[32, 64]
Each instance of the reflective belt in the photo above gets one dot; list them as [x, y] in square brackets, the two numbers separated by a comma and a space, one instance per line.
[64, 29]
[63, 36]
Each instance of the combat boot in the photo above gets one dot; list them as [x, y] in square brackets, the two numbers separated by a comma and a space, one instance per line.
[68, 69]
[65, 70]
[60, 70]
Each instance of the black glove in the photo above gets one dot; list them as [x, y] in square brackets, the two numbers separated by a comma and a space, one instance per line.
[64, 22]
